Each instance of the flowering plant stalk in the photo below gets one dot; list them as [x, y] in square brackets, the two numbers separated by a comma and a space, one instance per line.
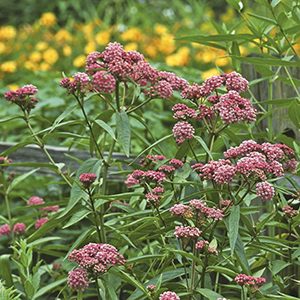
[193, 219]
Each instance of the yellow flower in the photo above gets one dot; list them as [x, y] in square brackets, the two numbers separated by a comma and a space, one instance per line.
[7, 32]
[12, 87]
[67, 50]
[44, 66]
[223, 61]
[63, 35]
[131, 46]
[30, 66]
[150, 50]
[48, 19]
[166, 44]
[90, 47]
[35, 56]
[132, 34]
[9, 66]
[208, 56]
[87, 29]
[209, 73]
[180, 58]
[102, 37]
[41, 46]
[50, 56]
[79, 61]
[160, 29]
[2, 48]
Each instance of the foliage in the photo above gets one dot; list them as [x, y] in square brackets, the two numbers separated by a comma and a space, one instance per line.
[208, 211]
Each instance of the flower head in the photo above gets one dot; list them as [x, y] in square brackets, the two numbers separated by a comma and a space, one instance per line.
[87, 179]
[187, 232]
[35, 200]
[183, 131]
[19, 228]
[78, 279]
[40, 222]
[5, 229]
[169, 296]
[23, 97]
[265, 190]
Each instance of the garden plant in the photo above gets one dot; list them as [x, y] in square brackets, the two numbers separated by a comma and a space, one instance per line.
[187, 193]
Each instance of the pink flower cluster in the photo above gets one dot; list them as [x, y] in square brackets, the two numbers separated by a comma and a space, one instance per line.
[187, 232]
[183, 131]
[78, 279]
[18, 229]
[114, 64]
[203, 245]
[182, 210]
[97, 258]
[5, 160]
[36, 201]
[93, 260]
[289, 211]
[158, 169]
[243, 279]
[169, 296]
[23, 97]
[250, 159]
[87, 179]
[231, 107]
[203, 210]
[265, 190]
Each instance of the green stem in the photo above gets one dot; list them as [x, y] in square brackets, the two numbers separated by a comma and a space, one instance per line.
[139, 106]
[100, 232]
[8, 210]
[98, 289]
[193, 269]
[44, 149]
[80, 103]
[118, 96]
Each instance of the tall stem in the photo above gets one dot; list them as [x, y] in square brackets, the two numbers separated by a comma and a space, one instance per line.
[44, 149]
[100, 231]
[193, 269]
[80, 103]
[8, 210]
[98, 289]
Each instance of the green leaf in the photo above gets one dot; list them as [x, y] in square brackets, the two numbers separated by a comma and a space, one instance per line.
[218, 38]
[43, 240]
[266, 61]
[233, 226]
[294, 113]
[5, 270]
[106, 127]
[129, 279]
[19, 179]
[123, 131]
[202, 143]
[91, 165]
[84, 236]
[79, 215]
[241, 256]
[49, 287]
[209, 294]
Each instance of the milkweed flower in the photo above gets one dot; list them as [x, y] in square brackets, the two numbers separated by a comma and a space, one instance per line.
[265, 190]
[187, 232]
[51, 208]
[19, 228]
[183, 131]
[87, 179]
[35, 200]
[169, 296]
[23, 97]
[289, 211]
[243, 279]
[5, 229]
[40, 222]
[97, 258]
[78, 279]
